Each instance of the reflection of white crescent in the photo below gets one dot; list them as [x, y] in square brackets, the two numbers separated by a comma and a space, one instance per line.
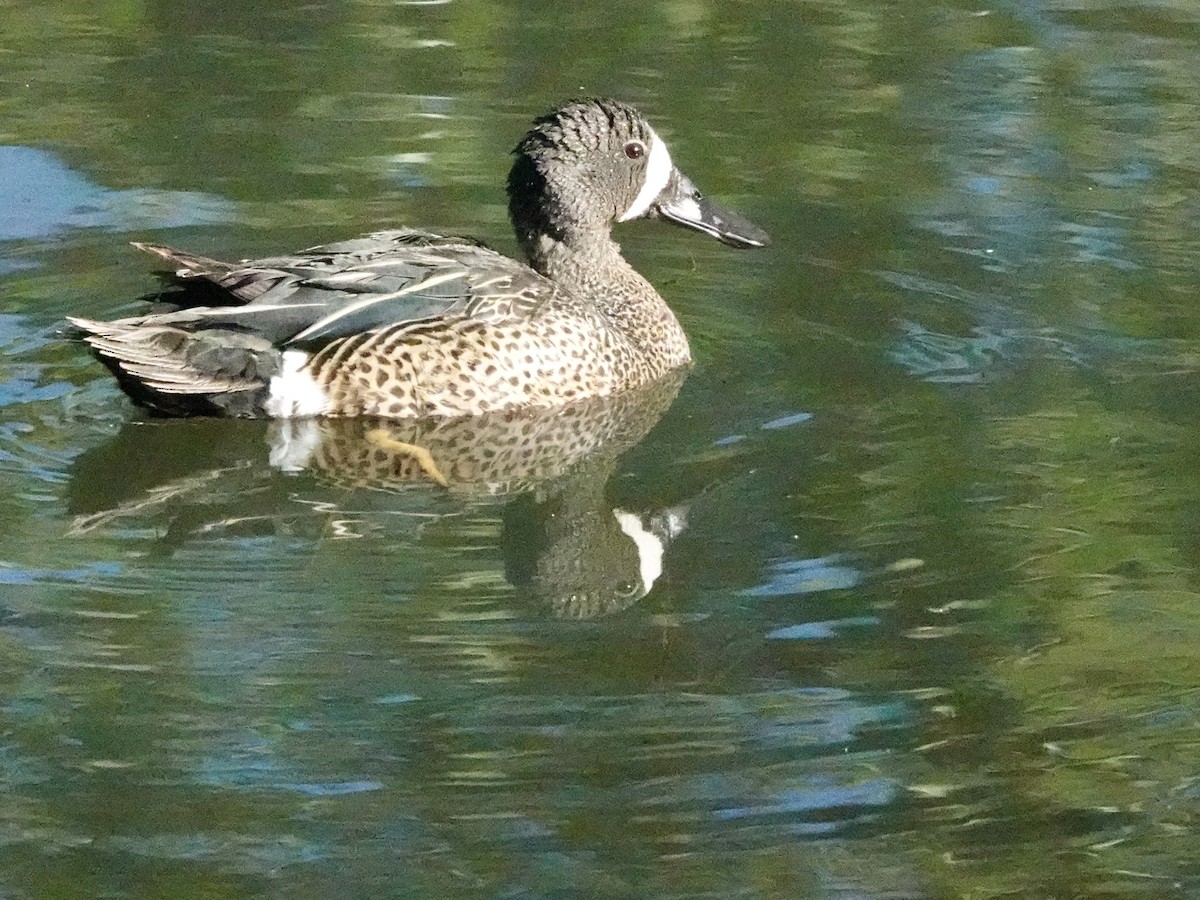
[650, 547]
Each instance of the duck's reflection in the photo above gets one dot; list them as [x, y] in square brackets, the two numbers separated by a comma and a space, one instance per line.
[581, 554]
[562, 540]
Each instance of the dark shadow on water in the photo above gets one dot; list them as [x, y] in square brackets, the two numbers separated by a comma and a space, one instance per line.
[563, 541]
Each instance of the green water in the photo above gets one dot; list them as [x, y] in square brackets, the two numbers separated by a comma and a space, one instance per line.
[928, 624]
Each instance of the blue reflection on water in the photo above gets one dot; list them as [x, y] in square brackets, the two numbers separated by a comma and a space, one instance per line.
[822, 795]
[21, 575]
[334, 789]
[40, 197]
[810, 631]
[805, 576]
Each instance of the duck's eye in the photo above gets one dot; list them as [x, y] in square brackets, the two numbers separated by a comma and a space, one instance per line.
[635, 149]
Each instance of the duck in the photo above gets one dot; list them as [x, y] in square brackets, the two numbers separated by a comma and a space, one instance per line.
[409, 324]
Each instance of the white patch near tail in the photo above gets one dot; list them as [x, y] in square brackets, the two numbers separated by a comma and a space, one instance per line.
[294, 392]
[650, 547]
[658, 173]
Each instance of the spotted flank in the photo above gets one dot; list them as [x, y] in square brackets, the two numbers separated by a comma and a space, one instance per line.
[410, 324]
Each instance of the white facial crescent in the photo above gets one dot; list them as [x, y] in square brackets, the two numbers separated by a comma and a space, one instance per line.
[658, 172]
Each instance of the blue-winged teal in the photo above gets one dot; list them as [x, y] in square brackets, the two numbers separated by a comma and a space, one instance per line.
[409, 324]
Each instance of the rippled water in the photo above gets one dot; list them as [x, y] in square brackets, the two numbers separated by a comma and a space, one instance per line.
[927, 618]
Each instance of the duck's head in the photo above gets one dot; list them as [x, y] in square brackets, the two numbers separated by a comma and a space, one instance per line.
[596, 162]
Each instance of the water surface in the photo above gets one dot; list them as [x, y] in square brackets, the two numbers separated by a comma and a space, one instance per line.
[927, 619]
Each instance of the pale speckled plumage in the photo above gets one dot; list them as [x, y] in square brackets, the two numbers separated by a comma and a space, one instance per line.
[408, 324]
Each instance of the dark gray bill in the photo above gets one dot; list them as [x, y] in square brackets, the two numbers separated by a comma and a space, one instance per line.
[681, 202]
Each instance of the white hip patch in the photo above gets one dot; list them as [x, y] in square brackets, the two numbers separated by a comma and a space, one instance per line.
[294, 392]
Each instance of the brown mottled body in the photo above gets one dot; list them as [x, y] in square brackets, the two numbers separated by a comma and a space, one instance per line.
[563, 352]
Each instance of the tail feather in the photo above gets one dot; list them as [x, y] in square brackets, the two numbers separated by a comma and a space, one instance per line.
[178, 371]
[188, 265]
[235, 283]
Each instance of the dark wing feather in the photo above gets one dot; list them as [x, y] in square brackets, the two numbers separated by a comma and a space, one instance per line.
[338, 290]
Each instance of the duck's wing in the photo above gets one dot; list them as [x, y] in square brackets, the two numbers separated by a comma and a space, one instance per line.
[337, 290]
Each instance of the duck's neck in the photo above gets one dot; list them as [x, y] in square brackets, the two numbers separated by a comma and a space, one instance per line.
[593, 271]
